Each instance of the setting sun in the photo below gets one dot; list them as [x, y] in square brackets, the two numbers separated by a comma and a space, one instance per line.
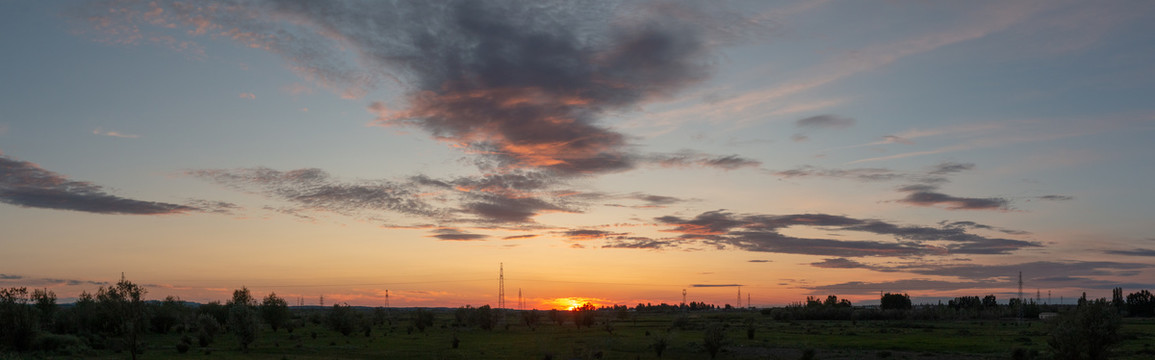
[573, 303]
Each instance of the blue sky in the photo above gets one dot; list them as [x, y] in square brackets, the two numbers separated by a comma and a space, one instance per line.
[638, 148]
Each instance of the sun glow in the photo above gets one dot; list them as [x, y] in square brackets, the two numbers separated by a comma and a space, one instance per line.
[572, 303]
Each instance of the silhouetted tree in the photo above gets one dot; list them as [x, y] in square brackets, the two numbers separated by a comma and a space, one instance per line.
[207, 329]
[584, 315]
[530, 317]
[17, 319]
[171, 312]
[124, 312]
[1117, 298]
[990, 302]
[421, 319]
[895, 302]
[714, 338]
[1141, 303]
[243, 321]
[275, 311]
[341, 319]
[45, 302]
[1089, 332]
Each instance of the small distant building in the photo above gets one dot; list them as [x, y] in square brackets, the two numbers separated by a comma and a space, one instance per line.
[1048, 315]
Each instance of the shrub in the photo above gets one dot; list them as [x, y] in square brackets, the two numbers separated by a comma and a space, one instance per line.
[1089, 332]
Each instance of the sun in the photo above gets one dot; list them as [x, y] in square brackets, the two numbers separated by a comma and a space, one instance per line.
[570, 303]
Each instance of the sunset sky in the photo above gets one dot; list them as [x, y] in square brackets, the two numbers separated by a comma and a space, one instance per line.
[608, 152]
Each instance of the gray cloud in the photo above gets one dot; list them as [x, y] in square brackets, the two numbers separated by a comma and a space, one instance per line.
[925, 195]
[517, 237]
[825, 122]
[950, 167]
[865, 288]
[758, 261]
[1055, 197]
[862, 174]
[625, 242]
[687, 158]
[456, 235]
[760, 233]
[314, 189]
[589, 234]
[1033, 271]
[10, 277]
[1134, 252]
[26, 184]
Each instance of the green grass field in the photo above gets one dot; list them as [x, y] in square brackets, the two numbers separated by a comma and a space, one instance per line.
[634, 338]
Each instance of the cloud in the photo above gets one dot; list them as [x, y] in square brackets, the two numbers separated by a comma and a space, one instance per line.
[865, 288]
[761, 233]
[518, 237]
[314, 189]
[249, 96]
[589, 234]
[520, 87]
[102, 132]
[1055, 197]
[10, 277]
[26, 184]
[860, 174]
[714, 285]
[950, 167]
[457, 235]
[927, 195]
[687, 158]
[624, 242]
[839, 263]
[825, 122]
[1133, 252]
[758, 261]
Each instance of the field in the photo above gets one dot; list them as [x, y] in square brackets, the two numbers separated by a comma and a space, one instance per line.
[634, 336]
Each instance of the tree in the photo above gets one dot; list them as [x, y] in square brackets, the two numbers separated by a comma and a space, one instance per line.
[1088, 332]
[207, 329]
[584, 315]
[714, 338]
[275, 311]
[243, 318]
[17, 319]
[171, 312]
[990, 302]
[122, 306]
[341, 319]
[1141, 303]
[45, 302]
[895, 301]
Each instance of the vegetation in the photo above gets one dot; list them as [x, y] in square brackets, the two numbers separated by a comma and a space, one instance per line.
[33, 326]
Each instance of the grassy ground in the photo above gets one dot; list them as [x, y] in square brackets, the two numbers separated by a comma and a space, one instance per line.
[634, 338]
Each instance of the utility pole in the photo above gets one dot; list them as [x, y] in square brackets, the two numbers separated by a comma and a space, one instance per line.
[322, 300]
[1020, 298]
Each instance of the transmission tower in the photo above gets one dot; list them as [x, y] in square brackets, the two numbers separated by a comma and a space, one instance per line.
[747, 299]
[322, 300]
[386, 298]
[501, 286]
[739, 297]
[1020, 297]
[519, 302]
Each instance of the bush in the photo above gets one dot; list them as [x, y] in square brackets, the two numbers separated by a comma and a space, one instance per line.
[1089, 332]
[714, 338]
[53, 343]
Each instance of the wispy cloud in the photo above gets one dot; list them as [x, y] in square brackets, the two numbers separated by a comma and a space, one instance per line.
[248, 96]
[1132, 252]
[26, 184]
[761, 233]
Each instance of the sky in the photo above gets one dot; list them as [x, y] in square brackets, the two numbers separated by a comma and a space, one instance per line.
[410, 153]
